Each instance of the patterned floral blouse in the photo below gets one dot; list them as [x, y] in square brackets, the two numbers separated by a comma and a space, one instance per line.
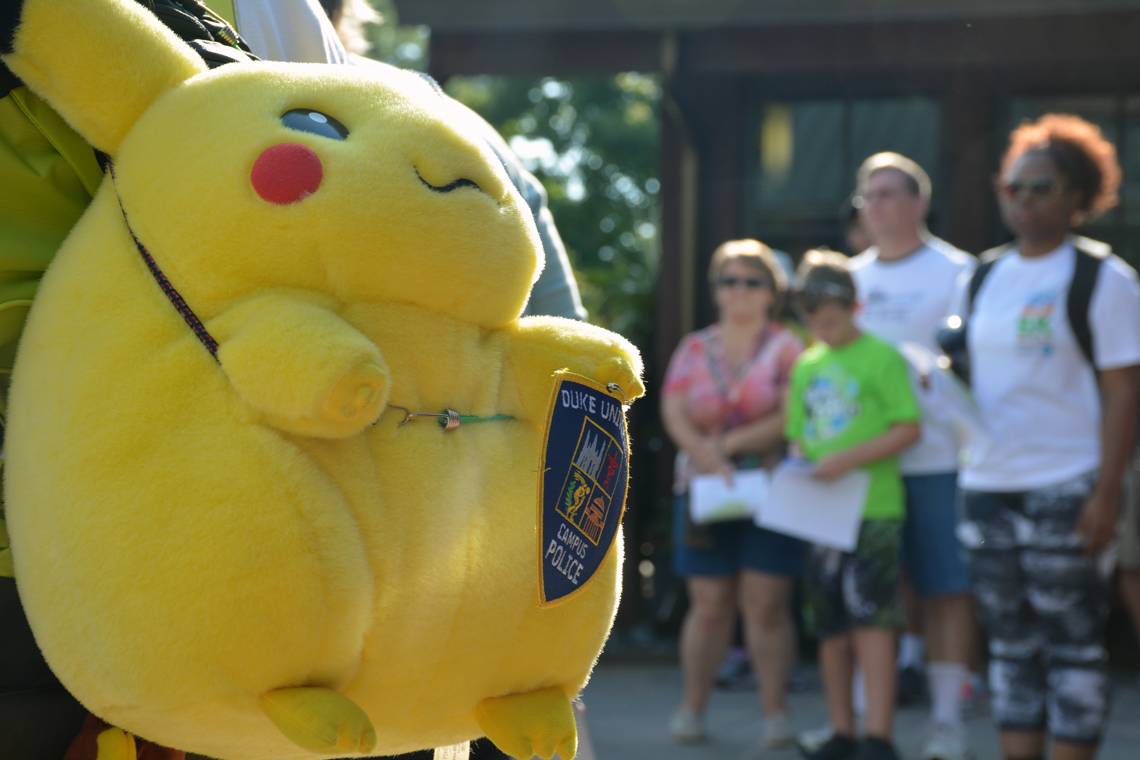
[718, 399]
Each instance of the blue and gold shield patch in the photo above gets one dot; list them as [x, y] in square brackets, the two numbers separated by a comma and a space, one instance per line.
[582, 490]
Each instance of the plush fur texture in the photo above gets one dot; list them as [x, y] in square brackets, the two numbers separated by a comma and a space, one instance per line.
[232, 556]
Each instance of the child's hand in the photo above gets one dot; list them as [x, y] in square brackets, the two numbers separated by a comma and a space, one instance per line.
[832, 467]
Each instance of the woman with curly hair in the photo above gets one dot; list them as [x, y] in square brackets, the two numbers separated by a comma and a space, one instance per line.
[1055, 374]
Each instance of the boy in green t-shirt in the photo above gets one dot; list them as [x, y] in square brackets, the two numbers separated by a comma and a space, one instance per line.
[850, 404]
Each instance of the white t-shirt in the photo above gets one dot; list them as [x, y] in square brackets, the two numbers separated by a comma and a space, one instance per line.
[907, 301]
[1034, 389]
[289, 30]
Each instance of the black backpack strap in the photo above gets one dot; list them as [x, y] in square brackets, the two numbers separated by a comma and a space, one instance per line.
[986, 263]
[209, 34]
[216, 54]
[1085, 273]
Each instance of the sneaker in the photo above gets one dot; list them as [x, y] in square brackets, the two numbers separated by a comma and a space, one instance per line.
[912, 687]
[837, 747]
[813, 739]
[777, 732]
[945, 742]
[686, 727]
[873, 748]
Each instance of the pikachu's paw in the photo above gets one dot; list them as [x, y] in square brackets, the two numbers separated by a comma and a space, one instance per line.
[356, 399]
[621, 378]
[536, 723]
[319, 720]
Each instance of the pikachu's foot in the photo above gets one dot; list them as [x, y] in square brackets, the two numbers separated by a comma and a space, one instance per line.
[319, 720]
[114, 744]
[536, 723]
[99, 740]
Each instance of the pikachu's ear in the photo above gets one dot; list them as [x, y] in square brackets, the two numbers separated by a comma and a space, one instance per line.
[99, 63]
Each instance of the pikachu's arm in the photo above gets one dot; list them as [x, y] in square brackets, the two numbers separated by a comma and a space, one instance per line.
[300, 367]
[100, 83]
[540, 346]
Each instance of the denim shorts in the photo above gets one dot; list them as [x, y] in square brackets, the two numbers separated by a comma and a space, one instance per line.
[732, 547]
[932, 555]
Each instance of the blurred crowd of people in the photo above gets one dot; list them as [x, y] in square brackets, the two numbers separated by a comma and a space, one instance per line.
[991, 401]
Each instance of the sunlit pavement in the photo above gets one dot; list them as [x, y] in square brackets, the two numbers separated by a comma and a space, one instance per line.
[628, 707]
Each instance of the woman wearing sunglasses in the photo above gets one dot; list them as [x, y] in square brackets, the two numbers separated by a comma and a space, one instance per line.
[723, 408]
[1041, 492]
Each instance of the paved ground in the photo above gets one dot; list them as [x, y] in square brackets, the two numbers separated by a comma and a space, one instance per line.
[628, 706]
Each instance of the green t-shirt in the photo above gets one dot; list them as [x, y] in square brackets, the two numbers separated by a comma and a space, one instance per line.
[841, 397]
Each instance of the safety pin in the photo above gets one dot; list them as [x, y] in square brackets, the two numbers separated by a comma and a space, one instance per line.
[448, 419]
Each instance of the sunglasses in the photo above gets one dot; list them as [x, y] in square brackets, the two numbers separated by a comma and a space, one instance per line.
[752, 283]
[809, 301]
[1038, 188]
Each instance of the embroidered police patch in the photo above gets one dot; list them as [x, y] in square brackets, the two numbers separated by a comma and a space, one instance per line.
[583, 485]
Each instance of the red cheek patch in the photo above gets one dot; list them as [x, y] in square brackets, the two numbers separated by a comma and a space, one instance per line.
[286, 173]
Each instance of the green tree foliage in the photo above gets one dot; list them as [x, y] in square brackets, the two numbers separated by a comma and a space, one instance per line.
[594, 144]
[403, 46]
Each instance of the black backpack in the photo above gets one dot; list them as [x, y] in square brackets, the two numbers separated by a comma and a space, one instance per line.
[1091, 254]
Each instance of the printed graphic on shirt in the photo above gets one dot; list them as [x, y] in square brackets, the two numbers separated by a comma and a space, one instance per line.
[881, 305]
[1034, 324]
[583, 485]
[832, 402]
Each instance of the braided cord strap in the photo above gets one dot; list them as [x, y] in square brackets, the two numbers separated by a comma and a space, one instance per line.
[176, 300]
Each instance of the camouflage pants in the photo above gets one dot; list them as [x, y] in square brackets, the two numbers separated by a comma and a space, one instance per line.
[858, 589]
[1045, 605]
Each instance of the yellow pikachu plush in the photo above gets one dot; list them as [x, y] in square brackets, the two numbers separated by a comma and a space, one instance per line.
[287, 476]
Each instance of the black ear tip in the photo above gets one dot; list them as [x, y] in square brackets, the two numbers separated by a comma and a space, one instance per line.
[10, 12]
[431, 82]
